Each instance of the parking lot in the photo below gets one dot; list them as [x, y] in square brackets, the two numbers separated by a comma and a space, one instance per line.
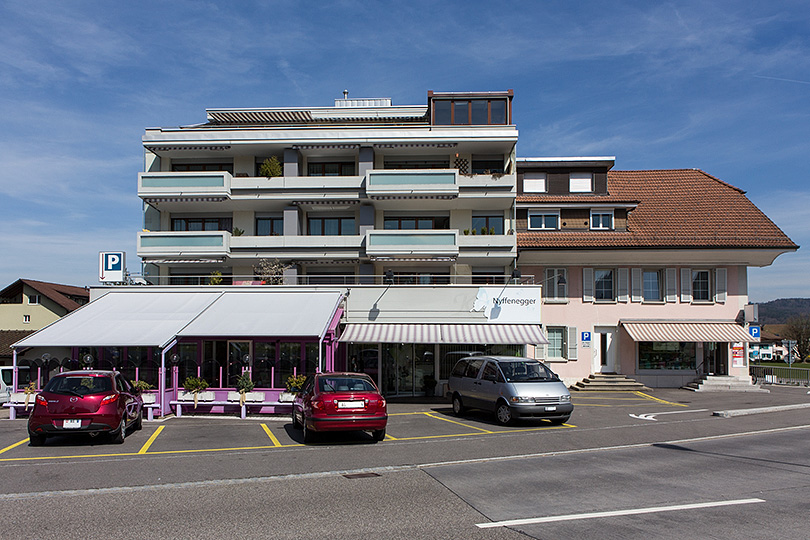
[408, 421]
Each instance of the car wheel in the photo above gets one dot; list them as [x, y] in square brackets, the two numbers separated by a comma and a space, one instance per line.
[309, 436]
[504, 414]
[458, 406]
[36, 440]
[139, 421]
[378, 434]
[120, 434]
[558, 421]
[295, 423]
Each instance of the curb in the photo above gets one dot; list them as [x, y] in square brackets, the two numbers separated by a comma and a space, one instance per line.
[743, 412]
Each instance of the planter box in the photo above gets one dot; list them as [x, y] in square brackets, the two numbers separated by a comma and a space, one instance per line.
[202, 397]
[286, 397]
[250, 397]
[148, 399]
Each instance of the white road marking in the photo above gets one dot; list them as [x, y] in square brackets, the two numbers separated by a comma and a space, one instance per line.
[614, 513]
[652, 415]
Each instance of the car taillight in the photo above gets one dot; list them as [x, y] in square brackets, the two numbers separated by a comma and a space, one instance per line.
[109, 399]
[317, 404]
[41, 400]
[381, 402]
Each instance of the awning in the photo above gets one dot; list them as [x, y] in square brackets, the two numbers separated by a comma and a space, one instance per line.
[253, 314]
[706, 332]
[154, 318]
[506, 334]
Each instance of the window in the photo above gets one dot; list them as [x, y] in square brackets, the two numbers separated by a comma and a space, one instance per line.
[34, 299]
[580, 183]
[534, 182]
[490, 224]
[555, 284]
[701, 290]
[651, 286]
[487, 164]
[469, 111]
[266, 226]
[321, 226]
[180, 167]
[490, 372]
[603, 285]
[26, 319]
[202, 224]
[666, 355]
[602, 220]
[331, 169]
[556, 342]
[417, 163]
[411, 223]
[544, 220]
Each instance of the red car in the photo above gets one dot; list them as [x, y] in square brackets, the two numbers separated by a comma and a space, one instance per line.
[85, 402]
[340, 402]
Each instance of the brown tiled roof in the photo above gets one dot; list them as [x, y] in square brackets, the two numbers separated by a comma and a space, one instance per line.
[55, 291]
[677, 208]
[7, 337]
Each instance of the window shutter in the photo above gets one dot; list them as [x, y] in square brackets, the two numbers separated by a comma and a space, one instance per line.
[686, 285]
[636, 285]
[720, 285]
[623, 285]
[572, 343]
[540, 351]
[672, 285]
[587, 284]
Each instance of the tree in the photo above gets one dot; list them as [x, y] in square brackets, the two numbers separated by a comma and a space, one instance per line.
[271, 168]
[798, 329]
[270, 272]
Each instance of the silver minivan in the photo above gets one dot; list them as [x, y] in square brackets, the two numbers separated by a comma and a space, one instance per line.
[510, 386]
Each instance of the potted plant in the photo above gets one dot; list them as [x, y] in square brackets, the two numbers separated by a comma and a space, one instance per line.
[293, 384]
[195, 385]
[141, 387]
[29, 391]
[243, 386]
[271, 167]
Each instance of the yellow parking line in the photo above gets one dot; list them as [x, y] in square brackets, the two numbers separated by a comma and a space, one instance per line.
[642, 394]
[149, 442]
[270, 434]
[459, 423]
[390, 438]
[15, 445]
[578, 397]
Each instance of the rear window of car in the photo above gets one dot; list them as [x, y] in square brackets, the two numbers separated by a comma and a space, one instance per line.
[525, 371]
[78, 385]
[345, 384]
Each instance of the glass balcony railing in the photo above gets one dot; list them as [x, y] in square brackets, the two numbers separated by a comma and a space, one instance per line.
[185, 242]
[415, 243]
[215, 184]
[440, 183]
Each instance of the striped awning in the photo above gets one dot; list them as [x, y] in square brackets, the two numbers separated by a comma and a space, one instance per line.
[688, 332]
[492, 334]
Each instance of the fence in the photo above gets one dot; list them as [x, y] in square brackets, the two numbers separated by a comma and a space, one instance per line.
[780, 375]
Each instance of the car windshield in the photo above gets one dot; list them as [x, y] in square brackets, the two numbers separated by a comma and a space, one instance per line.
[78, 385]
[525, 371]
[345, 384]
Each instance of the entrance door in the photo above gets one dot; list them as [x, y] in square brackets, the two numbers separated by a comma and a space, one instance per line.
[715, 358]
[404, 367]
[604, 349]
[238, 351]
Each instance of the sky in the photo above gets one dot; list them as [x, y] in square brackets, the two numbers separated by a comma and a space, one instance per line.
[719, 86]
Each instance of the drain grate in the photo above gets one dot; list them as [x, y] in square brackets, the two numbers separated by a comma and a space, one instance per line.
[360, 475]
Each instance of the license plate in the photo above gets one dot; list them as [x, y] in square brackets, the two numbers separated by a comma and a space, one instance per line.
[71, 424]
[551, 408]
[351, 404]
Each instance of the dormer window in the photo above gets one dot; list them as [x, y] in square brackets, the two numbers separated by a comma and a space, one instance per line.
[602, 220]
[544, 220]
[580, 182]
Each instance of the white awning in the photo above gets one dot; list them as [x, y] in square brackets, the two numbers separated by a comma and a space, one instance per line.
[120, 319]
[249, 314]
[155, 318]
[507, 334]
[697, 332]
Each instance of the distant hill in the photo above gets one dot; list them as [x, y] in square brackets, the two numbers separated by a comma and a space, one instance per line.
[779, 311]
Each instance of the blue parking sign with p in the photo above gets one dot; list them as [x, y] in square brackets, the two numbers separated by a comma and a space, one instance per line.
[754, 331]
[112, 262]
[586, 336]
[112, 266]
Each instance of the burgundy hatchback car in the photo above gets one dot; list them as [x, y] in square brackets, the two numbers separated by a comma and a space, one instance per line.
[340, 402]
[85, 402]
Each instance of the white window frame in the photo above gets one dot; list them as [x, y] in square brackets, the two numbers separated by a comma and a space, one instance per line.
[661, 291]
[563, 343]
[709, 287]
[579, 182]
[613, 284]
[535, 182]
[535, 213]
[26, 319]
[550, 286]
[602, 212]
[34, 299]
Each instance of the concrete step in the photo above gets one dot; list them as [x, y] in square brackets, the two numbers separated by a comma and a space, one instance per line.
[724, 383]
[608, 382]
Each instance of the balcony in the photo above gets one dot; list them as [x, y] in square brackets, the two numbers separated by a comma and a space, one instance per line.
[194, 244]
[410, 243]
[208, 186]
[421, 183]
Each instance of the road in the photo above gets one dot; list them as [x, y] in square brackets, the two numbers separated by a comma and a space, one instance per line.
[687, 475]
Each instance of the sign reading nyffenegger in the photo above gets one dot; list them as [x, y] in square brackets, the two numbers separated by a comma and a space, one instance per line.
[519, 305]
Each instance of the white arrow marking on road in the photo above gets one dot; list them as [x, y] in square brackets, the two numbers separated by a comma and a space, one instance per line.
[652, 415]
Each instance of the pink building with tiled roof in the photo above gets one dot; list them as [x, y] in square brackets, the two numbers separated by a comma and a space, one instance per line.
[644, 272]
